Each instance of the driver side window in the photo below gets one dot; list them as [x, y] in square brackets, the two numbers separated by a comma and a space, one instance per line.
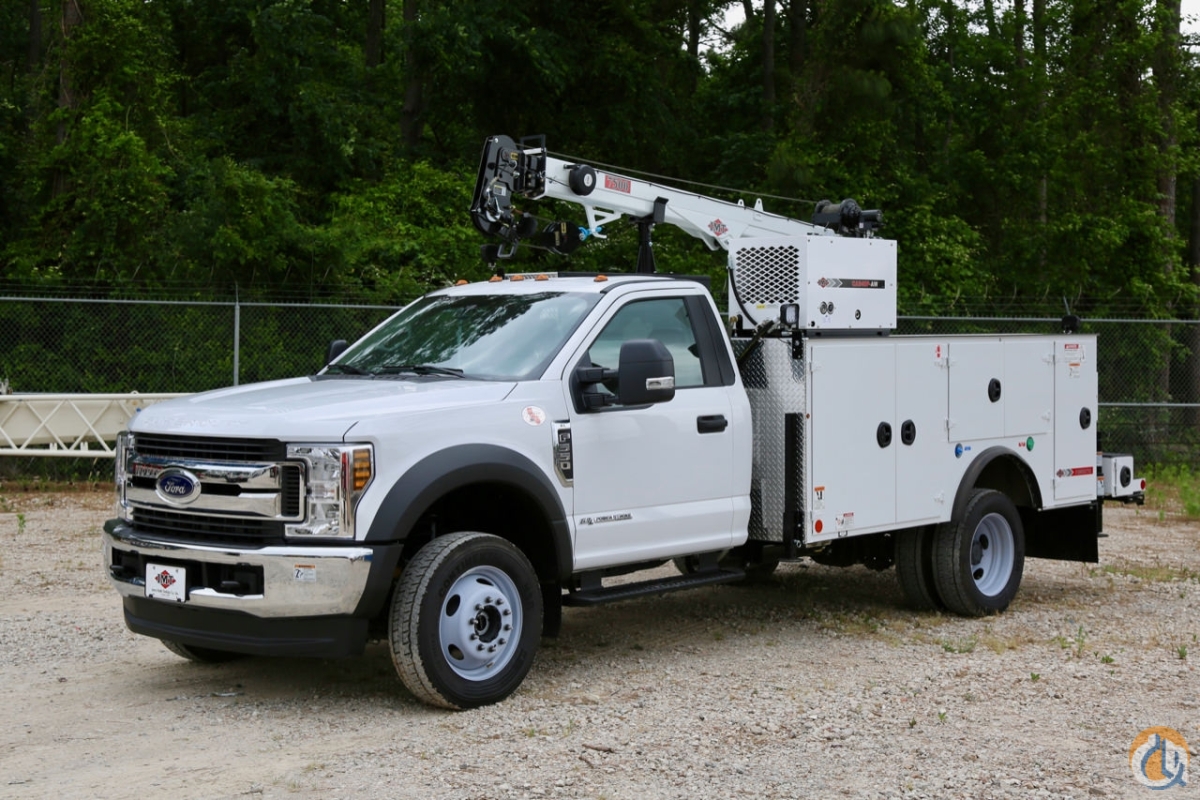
[664, 319]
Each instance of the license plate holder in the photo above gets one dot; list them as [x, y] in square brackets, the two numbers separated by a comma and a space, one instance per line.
[166, 582]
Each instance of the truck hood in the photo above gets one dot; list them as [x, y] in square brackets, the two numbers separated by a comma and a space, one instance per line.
[310, 409]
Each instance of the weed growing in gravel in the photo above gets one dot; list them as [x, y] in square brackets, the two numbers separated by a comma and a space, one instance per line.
[1181, 651]
[1075, 644]
[20, 523]
[1106, 659]
[961, 645]
[1035, 676]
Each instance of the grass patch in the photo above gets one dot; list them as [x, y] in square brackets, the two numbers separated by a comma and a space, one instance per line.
[1173, 489]
[1156, 573]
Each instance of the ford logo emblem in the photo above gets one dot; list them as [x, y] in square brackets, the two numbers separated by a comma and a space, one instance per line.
[177, 486]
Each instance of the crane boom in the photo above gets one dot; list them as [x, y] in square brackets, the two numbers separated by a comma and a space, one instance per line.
[509, 170]
[828, 274]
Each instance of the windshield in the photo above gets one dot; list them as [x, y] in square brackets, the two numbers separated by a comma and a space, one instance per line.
[494, 337]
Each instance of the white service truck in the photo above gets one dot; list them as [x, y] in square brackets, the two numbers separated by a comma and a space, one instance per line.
[497, 450]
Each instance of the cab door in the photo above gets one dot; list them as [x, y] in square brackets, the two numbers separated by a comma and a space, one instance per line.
[654, 481]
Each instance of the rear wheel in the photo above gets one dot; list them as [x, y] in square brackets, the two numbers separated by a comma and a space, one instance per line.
[465, 620]
[979, 559]
[201, 655]
[914, 568]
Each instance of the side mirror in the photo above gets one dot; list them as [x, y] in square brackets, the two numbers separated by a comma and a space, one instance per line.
[336, 348]
[646, 373]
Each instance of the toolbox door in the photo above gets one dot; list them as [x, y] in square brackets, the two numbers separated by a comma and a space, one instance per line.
[1075, 392]
[853, 475]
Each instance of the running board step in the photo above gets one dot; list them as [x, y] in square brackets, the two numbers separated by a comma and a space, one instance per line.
[625, 591]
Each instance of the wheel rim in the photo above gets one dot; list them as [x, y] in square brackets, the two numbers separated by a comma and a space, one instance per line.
[480, 624]
[992, 554]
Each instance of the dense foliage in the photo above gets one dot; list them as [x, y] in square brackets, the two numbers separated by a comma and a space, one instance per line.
[1024, 155]
[1028, 153]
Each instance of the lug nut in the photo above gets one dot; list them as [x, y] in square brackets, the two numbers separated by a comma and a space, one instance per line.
[502, 641]
[479, 648]
[507, 612]
[487, 599]
[473, 637]
[499, 601]
[507, 627]
[478, 607]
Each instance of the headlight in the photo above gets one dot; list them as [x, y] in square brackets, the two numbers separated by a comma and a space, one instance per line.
[337, 477]
[121, 469]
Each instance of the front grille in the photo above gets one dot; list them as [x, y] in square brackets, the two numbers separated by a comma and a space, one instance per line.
[291, 491]
[205, 447]
[207, 529]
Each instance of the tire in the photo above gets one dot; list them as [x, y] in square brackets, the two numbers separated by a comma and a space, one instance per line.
[914, 569]
[465, 621]
[202, 655]
[978, 560]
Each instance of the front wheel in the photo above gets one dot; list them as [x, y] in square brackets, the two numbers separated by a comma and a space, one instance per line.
[465, 620]
[978, 560]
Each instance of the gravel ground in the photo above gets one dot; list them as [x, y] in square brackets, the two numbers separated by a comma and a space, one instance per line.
[817, 684]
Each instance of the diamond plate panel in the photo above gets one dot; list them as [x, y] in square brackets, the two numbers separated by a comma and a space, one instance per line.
[775, 383]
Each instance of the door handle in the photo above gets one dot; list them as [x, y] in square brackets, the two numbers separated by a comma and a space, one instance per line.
[711, 423]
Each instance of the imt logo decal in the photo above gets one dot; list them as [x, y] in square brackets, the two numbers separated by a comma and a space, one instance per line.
[1158, 758]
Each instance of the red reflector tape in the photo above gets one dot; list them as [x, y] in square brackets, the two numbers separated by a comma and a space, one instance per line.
[1075, 472]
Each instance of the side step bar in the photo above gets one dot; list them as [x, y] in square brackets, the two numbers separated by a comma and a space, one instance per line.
[625, 591]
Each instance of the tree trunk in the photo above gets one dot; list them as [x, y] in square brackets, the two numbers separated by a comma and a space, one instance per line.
[35, 35]
[768, 54]
[1019, 34]
[694, 26]
[1193, 337]
[798, 46]
[1167, 65]
[1166, 79]
[989, 18]
[374, 44]
[1039, 77]
[412, 123]
[68, 99]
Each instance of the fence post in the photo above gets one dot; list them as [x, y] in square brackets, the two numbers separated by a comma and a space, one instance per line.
[237, 335]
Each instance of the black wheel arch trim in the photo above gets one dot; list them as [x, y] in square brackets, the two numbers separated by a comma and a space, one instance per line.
[442, 472]
[976, 468]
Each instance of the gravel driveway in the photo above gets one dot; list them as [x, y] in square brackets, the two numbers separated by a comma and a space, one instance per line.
[816, 684]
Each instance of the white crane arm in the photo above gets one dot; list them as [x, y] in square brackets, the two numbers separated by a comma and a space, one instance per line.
[509, 170]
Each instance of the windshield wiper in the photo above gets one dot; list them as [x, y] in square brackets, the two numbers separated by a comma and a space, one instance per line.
[419, 369]
[346, 368]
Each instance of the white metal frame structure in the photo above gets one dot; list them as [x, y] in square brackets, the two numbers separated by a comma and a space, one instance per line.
[68, 425]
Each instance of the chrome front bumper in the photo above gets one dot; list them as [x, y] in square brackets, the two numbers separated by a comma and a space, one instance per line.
[296, 581]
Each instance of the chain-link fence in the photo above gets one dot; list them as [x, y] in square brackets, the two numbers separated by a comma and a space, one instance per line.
[71, 345]
[1148, 371]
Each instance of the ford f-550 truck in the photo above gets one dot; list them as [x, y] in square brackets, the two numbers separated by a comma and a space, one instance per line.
[496, 450]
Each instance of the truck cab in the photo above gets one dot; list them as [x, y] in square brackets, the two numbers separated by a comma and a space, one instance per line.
[589, 424]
